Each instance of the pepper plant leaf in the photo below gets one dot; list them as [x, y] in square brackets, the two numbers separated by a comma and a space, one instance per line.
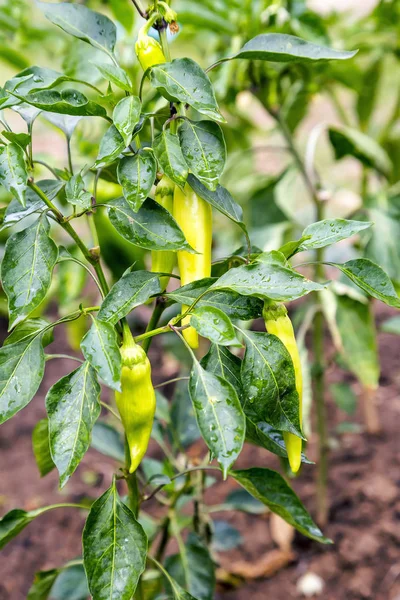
[132, 290]
[13, 172]
[126, 116]
[136, 175]
[151, 227]
[330, 231]
[14, 522]
[281, 47]
[42, 584]
[168, 151]
[14, 212]
[219, 415]
[114, 548]
[115, 75]
[27, 268]
[75, 192]
[111, 146]
[272, 490]
[212, 323]
[204, 149]
[183, 80]
[28, 328]
[100, 349]
[41, 447]
[269, 384]
[81, 22]
[370, 278]
[66, 102]
[21, 372]
[73, 407]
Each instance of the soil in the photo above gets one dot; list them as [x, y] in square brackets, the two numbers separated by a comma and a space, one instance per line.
[364, 482]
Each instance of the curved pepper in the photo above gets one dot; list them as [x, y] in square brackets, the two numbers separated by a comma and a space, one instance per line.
[163, 261]
[278, 323]
[137, 400]
[194, 216]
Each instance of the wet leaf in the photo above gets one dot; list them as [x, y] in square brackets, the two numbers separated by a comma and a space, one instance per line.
[100, 348]
[13, 173]
[136, 175]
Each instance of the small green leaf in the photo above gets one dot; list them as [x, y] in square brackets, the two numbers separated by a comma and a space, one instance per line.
[269, 384]
[13, 173]
[347, 141]
[76, 193]
[136, 175]
[28, 328]
[169, 154]
[213, 324]
[108, 441]
[72, 406]
[21, 139]
[183, 80]
[329, 231]
[219, 415]
[370, 278]
[42, 584]
[116, 75]
[14, 213]
[151, 227]
[66, 102]
[14, 522]
[114, 548]
[203, 147]
[272, 490]
[27, 268]
[225, 537]
[111, 147]
[264, 279]
[81, 22]
[100, 349]
[41, 447]
[126, 116]
[132, 290]
[21, 372]
[71, 584]
[281, 47]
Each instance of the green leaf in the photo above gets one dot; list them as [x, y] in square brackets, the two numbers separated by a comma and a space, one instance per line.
[42, 584]
[269, 383]
[14, 522]
[76, 193]
[41, 447]
[71, 584]
[183, 80]
[169, 154]
[126, 116]
[370, 278]
[151, 227]
[116, 75]
[114, 548]
[21, 139]
[212, 323]
[225, 537]
[204, 149]
[14, 213]
[27, 328]
[391, 325]
[329, 231]
[270, 280]
[219, 415]
[21, 372]
[193, 568]
[27, 268]
[100, 348]
[232, 304]
[356, 326]
[273, 491]
[383, 246]
[280, 47]
[183, 429]
[132, 290]
[81, 22]
[13, 173]
[111, 147]
[35, 78]
[72, 406]
[136, 175]
[344, 397]
[220, 199]
[243, 501]
[108, 441]
[351, 142]
[66, 102]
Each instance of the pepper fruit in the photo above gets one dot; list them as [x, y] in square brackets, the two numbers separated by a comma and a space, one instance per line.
[137, 400]
[278, 323]
[163, 261]
[194, 216]
[148, 50]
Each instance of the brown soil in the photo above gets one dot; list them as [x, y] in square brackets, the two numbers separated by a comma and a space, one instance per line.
[363, 563]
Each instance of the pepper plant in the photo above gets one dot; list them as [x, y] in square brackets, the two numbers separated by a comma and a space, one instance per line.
[163, 148]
